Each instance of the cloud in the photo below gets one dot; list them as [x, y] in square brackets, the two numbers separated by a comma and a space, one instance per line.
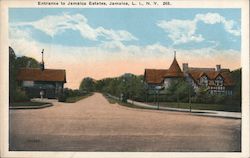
[181, 31]
[184, 31]
[56, 24]
[214, 18]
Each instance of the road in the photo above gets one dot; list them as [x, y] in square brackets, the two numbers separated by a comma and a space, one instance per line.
[93, 124]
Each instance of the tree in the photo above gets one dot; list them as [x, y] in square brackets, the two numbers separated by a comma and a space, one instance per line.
[236, 75]
[179, 90]
[16, 63]
[87, 84]
[12, 73]
[23, 61]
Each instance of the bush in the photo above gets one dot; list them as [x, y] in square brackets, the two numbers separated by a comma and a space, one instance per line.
[61, 97]
[20, 95]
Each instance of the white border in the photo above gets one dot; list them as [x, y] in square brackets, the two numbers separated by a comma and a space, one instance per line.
[4, 80]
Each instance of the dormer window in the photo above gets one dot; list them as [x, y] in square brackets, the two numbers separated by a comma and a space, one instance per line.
[204, 80]
[219, 81]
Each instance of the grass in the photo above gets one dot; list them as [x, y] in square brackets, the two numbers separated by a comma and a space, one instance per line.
[77, 98]
[114, 101]
[27, 103]
[197, 106]
[201, 106]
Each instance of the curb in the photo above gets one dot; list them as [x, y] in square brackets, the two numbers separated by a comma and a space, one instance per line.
[30, 107]
[193, 112]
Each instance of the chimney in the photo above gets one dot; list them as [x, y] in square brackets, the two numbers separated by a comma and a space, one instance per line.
[185, 67]
[218, 67]
[42, 67]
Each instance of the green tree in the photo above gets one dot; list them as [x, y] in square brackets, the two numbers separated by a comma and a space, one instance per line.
[16, 63]
[12, 74]
[236, 75]
[179, 90]
[87, 84]
[23, 61]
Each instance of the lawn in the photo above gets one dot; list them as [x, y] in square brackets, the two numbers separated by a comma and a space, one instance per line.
[113, 101]
[201, 106]
[27, 103]
[198, 106]
[77, 98]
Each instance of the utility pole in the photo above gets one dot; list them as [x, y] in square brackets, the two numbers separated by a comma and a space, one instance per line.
[189, 98]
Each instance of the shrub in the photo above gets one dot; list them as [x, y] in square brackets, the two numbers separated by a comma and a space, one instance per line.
[20, 95]
[61, 97]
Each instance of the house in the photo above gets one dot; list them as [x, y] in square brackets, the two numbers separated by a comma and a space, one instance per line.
[162, 77]
[215, 80]
[49, 82]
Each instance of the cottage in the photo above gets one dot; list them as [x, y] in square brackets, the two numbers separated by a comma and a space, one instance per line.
[215, 80]
[41, 81]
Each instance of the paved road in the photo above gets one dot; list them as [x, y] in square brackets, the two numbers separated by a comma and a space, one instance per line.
[93, 124]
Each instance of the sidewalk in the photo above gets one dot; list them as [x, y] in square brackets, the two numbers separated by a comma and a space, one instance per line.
[224, 114]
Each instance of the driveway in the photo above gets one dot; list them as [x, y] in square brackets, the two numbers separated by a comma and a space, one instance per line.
[93, 124]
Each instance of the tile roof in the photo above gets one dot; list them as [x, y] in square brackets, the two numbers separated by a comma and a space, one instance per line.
[156, 76]
[36, 74]
[212, 74]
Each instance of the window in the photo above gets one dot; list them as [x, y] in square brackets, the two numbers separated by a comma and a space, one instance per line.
[219, 81]
[204, 81]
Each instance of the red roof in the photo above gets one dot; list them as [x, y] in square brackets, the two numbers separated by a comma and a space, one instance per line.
[212, 74]
[36, 74]
[156, 76]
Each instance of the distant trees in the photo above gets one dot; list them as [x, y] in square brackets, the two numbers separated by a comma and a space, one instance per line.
[87, 84]
[129, 86]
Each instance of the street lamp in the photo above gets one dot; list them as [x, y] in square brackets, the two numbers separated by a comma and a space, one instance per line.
[157, 90]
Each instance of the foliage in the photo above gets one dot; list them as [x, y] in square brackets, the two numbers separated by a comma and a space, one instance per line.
[72, 95]
[127, 86]
[12, 74]
[16, 63]
[74, 99]
[87, 84]
[61, 97]
[23, 61]
[179, 90]
[236, 75]
[20, 95]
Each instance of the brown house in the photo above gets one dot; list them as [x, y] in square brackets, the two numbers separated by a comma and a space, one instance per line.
[35, 80]
[40, 81]
[216, 80]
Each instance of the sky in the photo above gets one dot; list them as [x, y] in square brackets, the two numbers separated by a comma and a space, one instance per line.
[108, 42]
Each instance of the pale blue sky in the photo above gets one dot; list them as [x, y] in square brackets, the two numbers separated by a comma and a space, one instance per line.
[141, 23]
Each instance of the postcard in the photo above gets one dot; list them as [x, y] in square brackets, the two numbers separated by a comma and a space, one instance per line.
[124, 78]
